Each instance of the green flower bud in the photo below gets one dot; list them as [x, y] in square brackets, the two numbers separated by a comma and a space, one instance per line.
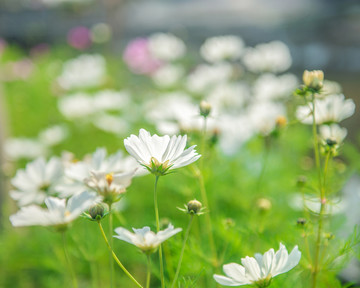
[205, 108]
[194, 207]
[97, 212]
[313, 79]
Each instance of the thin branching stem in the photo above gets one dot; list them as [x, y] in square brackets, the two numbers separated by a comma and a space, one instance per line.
[116, 258]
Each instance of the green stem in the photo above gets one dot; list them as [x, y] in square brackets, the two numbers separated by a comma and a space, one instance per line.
[322, 197]
[148, 276]
[116, 258]
[204, 198]
[264, 163]
[182, 251]
[111, 261]
[158, 229]
[71, 269]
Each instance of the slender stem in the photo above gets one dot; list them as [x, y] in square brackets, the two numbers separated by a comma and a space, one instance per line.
[316, 145]
[182, 251]
[71, 269]
[204, 198]
[116, 258]
[148, 276]
[322, 196]
[158, 228]
[111, 261]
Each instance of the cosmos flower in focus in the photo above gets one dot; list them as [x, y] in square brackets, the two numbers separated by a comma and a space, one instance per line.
[261, 269]
[144, 238]
[160, 153]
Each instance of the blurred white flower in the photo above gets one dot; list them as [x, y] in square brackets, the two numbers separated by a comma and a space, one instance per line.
[204, 77]
[168, 75]
[333, 132]
[37, 181]
[330, 87]
[24, 148]
[268, 57]
[111, 100]
[261, 269]
[271, 87]
[58, 212]
[144, 238]
[234, 131]
[53, 135]
[109, 185]
[111, 123]
[173, 112]
[84, 71]
[262, 116]
[78, 105]
[160, 153]
[228, 96]
[165, 46]
[217, 49]
[77, 172]
[331, 109]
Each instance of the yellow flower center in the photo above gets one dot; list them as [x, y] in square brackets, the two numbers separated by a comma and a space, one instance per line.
[67, 213]
[109, 178]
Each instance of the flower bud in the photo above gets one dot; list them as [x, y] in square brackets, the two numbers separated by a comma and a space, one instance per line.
[313, 79]
[97, 212]
[205, 108]
[194, 207]
[263, 204]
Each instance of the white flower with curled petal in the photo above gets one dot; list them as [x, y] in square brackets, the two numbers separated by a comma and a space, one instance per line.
[261, 269]
[144, 238]
[58, 212]
[332, 109]
[159, 154]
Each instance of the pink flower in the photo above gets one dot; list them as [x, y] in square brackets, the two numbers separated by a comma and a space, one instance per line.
[79, 38]
[138, 58]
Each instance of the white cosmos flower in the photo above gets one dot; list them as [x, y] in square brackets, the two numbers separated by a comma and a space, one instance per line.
[166, 47]
[160, 153]
[204, 77]
[53, 135]
[144, 238]
[168, 75]
[58, 212]
[84, 71]
[261, 269]
[268, 57]
[76, 173]
[78, 105]
[37, 181]
[333, 132]
[24, 148]
[331, 109]
[217, 49]
[109, 185]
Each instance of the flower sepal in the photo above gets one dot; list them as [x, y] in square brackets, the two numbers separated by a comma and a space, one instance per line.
[157, 168]
[263, 283]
